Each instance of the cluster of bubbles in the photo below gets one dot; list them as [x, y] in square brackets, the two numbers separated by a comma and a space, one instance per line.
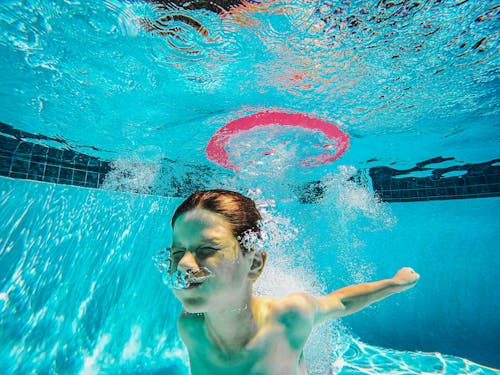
[177, 279]
[131, 175]
[350, 203]
[254, 241]
[290, 269]
[265, 151]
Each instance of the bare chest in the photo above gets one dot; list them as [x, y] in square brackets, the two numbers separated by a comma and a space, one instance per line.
[269, 353]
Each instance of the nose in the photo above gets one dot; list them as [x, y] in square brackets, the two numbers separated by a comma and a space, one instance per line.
[188, 263]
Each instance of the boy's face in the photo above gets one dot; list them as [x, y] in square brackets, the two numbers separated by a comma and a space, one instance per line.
[202, 238]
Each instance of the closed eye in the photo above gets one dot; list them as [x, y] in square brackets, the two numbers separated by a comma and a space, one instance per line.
[176, 253]
[205, 252]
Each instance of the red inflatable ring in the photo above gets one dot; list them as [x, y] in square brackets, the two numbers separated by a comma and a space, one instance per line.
[216, 148]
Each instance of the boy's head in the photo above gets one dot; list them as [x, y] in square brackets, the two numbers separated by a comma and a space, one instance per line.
[240, 211]
[209, 244]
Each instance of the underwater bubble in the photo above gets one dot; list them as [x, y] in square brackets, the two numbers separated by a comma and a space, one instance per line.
[131, 176]
[178, 279]
[252, 240]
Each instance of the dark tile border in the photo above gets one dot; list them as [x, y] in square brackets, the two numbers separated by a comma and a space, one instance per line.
[27, 160]
[20, 158]
[481, 180]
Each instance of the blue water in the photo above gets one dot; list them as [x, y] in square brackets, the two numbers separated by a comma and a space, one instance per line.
[407, 81]
[80, 293]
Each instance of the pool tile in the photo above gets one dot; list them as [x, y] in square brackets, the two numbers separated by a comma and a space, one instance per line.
[82, 160]
[54, 155]
[50, 179]
[37, 168]
[39, 150]
[79, 177]
[24, 148]
[19, 165]
[20, 175]
[91, 179]
[8, 144]
[5, 163]
[66, 174]
[68, 157]
[51, 172]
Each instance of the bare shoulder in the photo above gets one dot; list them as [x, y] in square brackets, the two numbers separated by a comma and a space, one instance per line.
[295, 306]
[294, 313]
[293, 310]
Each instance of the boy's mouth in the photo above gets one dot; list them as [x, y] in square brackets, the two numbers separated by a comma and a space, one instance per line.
[192, 285]
[194, 282]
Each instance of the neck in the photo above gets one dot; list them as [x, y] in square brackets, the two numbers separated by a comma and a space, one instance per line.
[230, 330]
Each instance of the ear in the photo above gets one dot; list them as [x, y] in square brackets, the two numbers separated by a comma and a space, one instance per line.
[257, 266]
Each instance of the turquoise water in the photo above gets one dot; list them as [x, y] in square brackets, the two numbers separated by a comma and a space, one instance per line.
[407, 81]
[80, 293]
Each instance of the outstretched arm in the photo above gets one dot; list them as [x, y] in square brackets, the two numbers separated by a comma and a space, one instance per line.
[353, 298]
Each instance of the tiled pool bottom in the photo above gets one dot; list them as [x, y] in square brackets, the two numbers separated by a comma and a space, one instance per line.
[364, 359]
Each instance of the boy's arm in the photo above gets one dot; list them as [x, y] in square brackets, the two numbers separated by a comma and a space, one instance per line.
[353, 298]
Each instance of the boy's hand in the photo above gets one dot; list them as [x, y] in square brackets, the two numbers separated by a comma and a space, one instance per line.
[406, 278]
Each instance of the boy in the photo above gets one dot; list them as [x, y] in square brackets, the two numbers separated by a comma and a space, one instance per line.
[228, 330]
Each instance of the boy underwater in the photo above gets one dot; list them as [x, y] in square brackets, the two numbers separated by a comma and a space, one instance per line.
[212, 266]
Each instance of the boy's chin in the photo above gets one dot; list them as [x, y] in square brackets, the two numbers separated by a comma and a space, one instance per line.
[202, 308]
[195, 306]
[195, 309]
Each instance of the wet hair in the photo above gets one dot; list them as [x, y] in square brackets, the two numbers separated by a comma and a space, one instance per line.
[239, 210]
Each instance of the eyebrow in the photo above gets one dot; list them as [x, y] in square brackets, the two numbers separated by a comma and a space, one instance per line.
[216, 243]
[212, 244]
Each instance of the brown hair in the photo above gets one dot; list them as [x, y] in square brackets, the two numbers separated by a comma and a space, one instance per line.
[239, 210]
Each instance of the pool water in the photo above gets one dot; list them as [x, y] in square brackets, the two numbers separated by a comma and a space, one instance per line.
[407, 81]
[81, 294]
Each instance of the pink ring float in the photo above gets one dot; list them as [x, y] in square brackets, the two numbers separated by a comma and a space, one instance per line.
[216, 148]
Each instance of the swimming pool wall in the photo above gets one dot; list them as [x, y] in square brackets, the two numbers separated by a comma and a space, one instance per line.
[25, 159]
[454, 246]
